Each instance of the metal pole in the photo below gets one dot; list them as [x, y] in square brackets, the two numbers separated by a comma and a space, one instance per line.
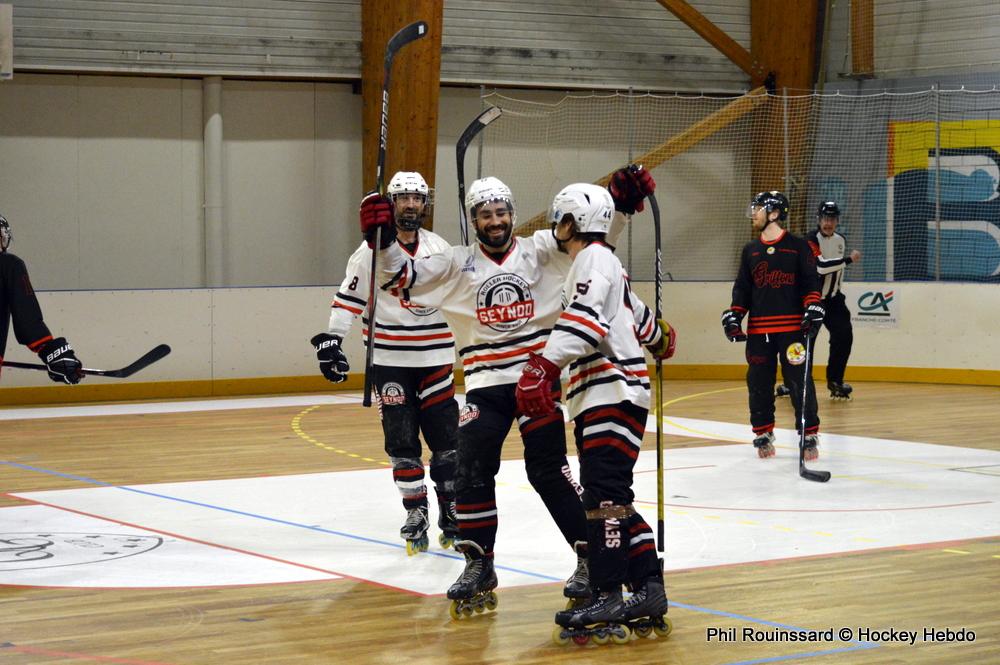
[215, 252]
[937, 182]
[630, 129]
[784, 106]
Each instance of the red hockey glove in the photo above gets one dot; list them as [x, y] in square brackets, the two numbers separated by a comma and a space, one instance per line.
[731, 320]
[664, 347]
[534, 388]
[376, 213]
[629, 187]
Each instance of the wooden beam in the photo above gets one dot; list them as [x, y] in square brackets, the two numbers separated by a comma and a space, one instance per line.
[783, 41]
[676, 145]
[413, 93]
[863, 38]
[714, 35]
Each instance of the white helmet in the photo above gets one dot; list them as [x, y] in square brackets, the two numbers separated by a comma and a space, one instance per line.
[486, 190]
[6, 237]
[410, 182]
[591, 206]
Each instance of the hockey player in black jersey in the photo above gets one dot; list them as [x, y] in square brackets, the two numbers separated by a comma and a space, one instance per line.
[599, 337]
[778, 287]
[18, 302]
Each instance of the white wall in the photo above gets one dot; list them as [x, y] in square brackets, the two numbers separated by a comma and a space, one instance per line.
[103, 179]
[264, 332]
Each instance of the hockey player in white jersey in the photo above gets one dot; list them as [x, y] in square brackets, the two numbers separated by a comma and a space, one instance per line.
[598, 336]
[412, 368]
[501, 297]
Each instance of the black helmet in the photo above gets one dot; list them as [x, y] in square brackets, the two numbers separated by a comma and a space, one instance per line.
[770, 201]
[828, 209]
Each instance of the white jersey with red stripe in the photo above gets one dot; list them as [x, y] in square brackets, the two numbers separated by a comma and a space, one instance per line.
[406, 335]
[600, 334]
[500, 308]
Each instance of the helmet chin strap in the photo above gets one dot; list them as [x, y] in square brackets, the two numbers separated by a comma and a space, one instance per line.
[561, 242]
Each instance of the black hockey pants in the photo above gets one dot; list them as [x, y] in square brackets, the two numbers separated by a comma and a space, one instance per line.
[763, 352]
[484, 423]
[412, 400]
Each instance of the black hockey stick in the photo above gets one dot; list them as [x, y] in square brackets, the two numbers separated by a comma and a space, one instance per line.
[406, 35]
[145, 361]
[808, 474]
[476, 126]
[658, 404]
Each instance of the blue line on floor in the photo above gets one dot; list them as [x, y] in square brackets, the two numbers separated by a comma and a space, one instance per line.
[91, 481]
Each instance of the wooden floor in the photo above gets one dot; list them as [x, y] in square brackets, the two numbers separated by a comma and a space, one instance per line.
[350, 621]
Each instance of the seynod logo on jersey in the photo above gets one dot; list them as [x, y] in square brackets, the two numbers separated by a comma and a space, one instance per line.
[393, 394]
[504, 303]
[583, 287]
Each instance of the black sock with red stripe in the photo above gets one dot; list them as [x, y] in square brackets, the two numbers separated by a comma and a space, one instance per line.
[642, 560]
[476, 508]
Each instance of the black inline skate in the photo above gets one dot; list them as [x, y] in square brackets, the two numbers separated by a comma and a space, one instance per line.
[414, 530]
[764, 444]
[473, 590]
[782, 390]
[810, 449]
[447, 522]
[577, 587]
[840, 391]
[646, 610]
[600, 622]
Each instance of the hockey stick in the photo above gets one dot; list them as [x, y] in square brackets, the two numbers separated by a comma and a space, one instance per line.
[808, 474]
[476, 126]
[658, 408]
[145, 361]
[406, 35]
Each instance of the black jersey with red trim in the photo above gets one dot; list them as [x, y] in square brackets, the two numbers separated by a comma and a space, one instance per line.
[777, 280]
[18, 301]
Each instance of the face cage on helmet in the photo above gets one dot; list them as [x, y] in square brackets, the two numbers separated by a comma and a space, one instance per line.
[413, 224]
[474, 210]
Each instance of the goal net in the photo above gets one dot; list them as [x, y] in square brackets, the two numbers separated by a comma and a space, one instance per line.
[915, 174]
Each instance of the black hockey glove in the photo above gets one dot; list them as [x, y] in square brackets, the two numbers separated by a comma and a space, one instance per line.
[332, 361]
[812, 319]
[61, 361]
[731, 320]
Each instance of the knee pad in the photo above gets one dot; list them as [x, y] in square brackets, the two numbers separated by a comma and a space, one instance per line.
[443, 470]
[408, 474]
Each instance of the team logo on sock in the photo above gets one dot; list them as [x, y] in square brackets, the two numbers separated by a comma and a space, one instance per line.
[393, 394]
[469, 413]
[796, 353]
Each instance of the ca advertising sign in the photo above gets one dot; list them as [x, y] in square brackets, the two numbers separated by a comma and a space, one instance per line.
[876, 308]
